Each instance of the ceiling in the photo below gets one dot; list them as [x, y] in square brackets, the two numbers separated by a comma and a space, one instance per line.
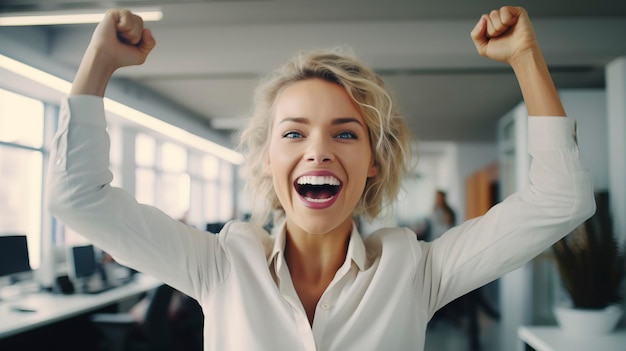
[211, 54]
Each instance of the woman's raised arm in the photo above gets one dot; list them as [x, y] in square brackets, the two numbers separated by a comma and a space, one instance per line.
[78, 190]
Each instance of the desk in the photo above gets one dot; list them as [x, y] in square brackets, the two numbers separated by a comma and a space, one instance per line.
[52, 308]
[552, 339]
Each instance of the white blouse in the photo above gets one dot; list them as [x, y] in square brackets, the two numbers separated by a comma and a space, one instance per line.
[383, 295]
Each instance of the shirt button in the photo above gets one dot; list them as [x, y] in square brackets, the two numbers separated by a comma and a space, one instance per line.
[58, 161]
[325, 306]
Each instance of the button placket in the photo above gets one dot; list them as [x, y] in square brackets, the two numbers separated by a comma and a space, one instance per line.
[327, 302]
[322, 313]
[288, 292]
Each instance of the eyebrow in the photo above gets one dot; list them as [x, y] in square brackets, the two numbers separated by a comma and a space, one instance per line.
[336, 121]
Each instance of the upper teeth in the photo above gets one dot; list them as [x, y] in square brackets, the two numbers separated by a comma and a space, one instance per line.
[318, 180]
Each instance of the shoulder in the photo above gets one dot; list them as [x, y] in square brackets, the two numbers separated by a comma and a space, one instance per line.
[390, 232]
[236, 234]
[391, 239]
[395, 247]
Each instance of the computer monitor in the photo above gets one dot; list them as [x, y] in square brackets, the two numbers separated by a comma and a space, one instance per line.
[81, 261]
[13, 255]
[215, 227]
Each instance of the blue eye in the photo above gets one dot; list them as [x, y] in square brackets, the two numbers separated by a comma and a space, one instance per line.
[292, 135]
[346, 135]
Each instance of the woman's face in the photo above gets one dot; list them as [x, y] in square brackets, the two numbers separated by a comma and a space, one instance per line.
[319, 156]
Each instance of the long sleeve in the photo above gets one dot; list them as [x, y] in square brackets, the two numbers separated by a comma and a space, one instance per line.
[140, 236]
[558, 198]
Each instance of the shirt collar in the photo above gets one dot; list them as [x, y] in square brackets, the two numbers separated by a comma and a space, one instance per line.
[356, 247]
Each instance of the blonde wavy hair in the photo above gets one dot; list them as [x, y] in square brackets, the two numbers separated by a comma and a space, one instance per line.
[389, 136]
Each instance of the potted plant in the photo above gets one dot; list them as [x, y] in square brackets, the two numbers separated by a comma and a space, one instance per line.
[592, 267]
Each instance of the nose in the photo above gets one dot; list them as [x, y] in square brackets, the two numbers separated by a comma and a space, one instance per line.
[319, 158]
[319, 152]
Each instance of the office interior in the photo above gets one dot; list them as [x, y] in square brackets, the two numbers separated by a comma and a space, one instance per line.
[173, 125]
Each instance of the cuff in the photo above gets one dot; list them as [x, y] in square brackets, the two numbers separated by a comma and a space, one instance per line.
[84, 109]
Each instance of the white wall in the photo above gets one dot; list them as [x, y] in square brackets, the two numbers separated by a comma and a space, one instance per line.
[442, 166]
[446, 165]
[616, 104]
[515, 287]
[616, 125]
[588, 108]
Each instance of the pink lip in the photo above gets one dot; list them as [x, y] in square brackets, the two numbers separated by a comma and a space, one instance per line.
[318, 205]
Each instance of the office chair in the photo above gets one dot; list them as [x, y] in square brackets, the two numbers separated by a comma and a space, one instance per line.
[122, 332]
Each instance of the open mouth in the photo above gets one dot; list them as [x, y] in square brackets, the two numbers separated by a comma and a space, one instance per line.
[317, 188]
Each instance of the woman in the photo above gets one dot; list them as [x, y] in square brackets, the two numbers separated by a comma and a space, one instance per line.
[326, 143]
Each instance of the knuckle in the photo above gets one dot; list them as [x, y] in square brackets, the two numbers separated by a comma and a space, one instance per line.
[124, 13]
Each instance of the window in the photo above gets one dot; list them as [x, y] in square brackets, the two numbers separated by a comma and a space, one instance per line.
[173, 157]
[145, 173]
[244, 200]
[21, 168]
[164, 173]
[145, 150]
[145, 184]
[187, 184]
[210, 173]
[115, 155]
[226, 192]
[173, 188]
[25, 127]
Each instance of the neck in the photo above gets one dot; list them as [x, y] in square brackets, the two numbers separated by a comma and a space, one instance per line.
[316, 257]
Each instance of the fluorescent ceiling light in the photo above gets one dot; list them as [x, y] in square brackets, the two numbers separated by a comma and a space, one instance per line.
[36, 75]
[128, 113]
[70, 17]
[183, 136]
